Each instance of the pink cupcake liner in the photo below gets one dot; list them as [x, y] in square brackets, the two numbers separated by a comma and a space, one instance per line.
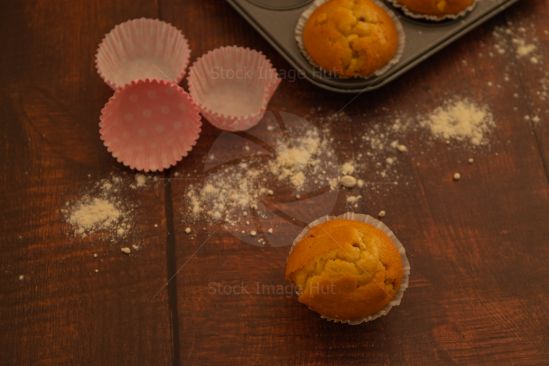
[142, 49]
[150, 125]
[232, 86]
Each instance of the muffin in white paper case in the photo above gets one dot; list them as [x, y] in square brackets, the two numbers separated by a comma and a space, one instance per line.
[232, 86]
[371, 222]
[416, 15]
[302, 21]
[141, 49]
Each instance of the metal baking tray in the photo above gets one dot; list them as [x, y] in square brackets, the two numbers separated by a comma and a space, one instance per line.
[275, 20]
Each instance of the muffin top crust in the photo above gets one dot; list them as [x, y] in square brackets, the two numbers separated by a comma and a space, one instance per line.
[345, 269]
[351, 37]
[436, 8]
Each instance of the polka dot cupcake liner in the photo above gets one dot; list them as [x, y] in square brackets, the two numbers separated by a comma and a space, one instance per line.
[232, 86]
[300, 26]
[150, 125]
[381, 226]
[432, 18]
[140, 49]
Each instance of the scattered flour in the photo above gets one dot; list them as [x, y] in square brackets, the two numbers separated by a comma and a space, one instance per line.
[100, 210]
[297, 156]
[524, 49]
[301, 161]
[241, 190]
[382, 146]
[518, 41]
[94, 213]
[460, 120]
[227, 194]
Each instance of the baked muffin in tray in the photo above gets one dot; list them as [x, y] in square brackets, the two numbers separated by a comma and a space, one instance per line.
[435, 9]
[350, 38]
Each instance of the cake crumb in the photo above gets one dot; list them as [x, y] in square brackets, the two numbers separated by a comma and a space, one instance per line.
[523, 48]
[188, 230]
[470, 160]
[353, 199]
[95, 255]
[348, 181]
[125, 250]
[457, 176]
[402, 148]
[298, 179]
[381, 213]
[253, 233]
[21, 277]
[140, 180]
[347, 168]
[270, 230]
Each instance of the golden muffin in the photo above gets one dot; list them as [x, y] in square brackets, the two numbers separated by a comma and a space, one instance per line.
[345, 270]
[351, 37]
[435, 8]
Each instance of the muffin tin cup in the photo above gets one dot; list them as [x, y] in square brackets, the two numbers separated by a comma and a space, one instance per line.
[150, 125]
[423, 40]
[431, 18]
[381, 226]
[300, 26]
[142, 49]
[232, 86]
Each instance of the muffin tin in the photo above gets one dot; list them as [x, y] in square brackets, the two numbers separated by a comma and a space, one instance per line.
[275, 20]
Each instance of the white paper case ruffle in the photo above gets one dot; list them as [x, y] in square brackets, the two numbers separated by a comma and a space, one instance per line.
[307, 13]
[381, 226]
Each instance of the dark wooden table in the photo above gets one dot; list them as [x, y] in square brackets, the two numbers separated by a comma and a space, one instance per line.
[479, 248]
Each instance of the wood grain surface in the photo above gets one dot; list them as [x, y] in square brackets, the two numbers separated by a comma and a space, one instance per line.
[478, 248]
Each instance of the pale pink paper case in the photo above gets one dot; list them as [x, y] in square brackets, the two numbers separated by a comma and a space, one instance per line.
[142, 49]
[232, 86]
[150, 125]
